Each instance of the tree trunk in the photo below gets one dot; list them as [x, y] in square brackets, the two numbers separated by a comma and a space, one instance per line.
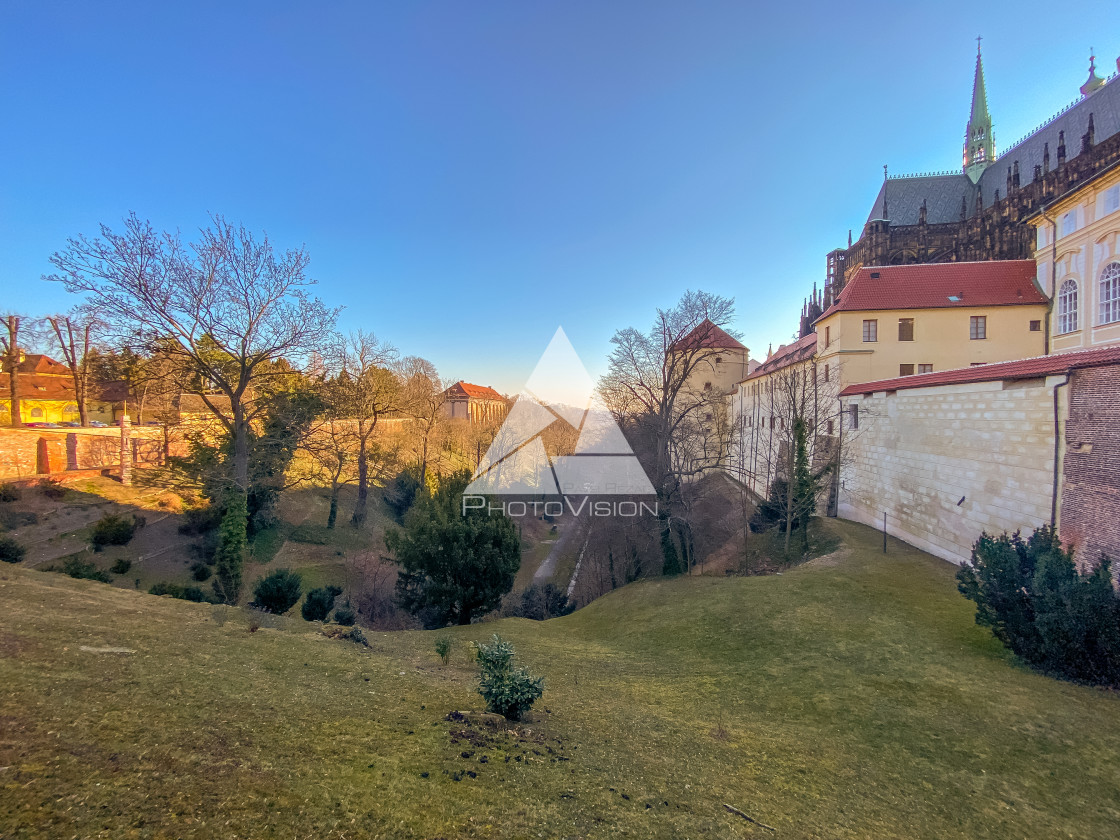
[789, 507]
[359, 517]
[11, 359]
[333, 515]
[13, 385]
[240, 449]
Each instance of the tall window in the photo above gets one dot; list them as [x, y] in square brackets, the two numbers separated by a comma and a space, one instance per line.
[978, 327]
[1112, 199]
[1069, 222]
[905, 370]
[871, 330]
[827, 336]
[1067, 306]
[905, 329]
[1110, 293]
[853, 416]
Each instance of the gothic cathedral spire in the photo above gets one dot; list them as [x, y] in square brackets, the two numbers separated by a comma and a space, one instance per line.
[979, 144]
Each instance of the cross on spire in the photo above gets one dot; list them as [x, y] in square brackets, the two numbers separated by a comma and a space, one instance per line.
[978, 39]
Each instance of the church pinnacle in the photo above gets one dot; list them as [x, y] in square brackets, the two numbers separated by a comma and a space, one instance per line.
[979, 144]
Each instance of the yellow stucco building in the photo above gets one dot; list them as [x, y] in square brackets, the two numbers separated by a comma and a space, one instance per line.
[46, 394]
[1078, 259]
[907, 319]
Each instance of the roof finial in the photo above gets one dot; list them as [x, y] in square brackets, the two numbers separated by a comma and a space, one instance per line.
[1094, 81]
[979, 38]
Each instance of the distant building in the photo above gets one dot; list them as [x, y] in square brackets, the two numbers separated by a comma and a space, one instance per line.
[1078, 257]
[475, 403]
[702, 433]
[719, 370]
[900, 320]
[46, 393]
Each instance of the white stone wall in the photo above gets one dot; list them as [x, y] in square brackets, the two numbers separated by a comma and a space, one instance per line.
[917, 452]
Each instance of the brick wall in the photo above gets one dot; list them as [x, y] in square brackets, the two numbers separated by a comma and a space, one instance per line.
[918, 452]
[26, 453]
[1090, 507]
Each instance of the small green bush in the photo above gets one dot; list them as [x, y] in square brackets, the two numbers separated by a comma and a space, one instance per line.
[120, 566]
[84, 570]
[197, 521]
[345, 616]
[52, 489]
[319, 603]
[508, 691]
[12, 519]
[112, 529]
[278, 592]
[543, 602]
[200, 571]
[10, 493]
[10, 550]
[444, 645]
[183, 593]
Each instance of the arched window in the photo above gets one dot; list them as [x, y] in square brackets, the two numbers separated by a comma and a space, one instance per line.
[36, 412]
[70, 409]
[1110, 293]
[1067, 307]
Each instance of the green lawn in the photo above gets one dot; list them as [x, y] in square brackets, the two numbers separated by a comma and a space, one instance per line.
[852, 697]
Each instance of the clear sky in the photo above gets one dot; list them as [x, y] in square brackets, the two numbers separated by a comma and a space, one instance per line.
[468, 175]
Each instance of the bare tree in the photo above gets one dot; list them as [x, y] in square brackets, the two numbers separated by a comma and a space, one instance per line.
[786, 437]
[73, 334]
[362, 392]
[650, 388]
[12, 353]
[223, 308]
[423, 396]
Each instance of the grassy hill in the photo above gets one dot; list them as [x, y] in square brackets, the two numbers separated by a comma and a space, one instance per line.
[851, 697]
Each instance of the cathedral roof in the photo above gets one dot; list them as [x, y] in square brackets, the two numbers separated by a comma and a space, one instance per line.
[942, 194]
[1103, 104]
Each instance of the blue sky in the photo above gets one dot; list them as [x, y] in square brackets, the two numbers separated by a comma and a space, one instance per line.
[468, 176]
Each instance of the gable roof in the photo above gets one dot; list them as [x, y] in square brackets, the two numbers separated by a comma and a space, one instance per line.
[942, 194]
[933, 285]
[787, 354]
[1033, 368]
[465, 390]
[707, 336]
[39, 386]
[38, 363]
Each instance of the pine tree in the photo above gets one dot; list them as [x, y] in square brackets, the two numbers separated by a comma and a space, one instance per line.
[455, 565]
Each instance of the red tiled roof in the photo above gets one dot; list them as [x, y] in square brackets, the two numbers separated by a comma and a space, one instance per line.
[1054, 364]
[38, 386]
[707, 336]
[38, 363]
[929, 286]
[473, 392]
[787, 354]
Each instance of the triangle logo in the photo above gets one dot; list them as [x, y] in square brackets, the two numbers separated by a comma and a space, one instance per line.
[560, 389]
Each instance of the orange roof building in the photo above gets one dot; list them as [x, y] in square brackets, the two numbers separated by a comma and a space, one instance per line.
[475, 403]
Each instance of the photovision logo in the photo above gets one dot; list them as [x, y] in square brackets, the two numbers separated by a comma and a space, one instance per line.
[601, 464]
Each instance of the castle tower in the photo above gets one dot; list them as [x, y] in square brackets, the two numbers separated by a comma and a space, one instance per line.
[979, 144]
